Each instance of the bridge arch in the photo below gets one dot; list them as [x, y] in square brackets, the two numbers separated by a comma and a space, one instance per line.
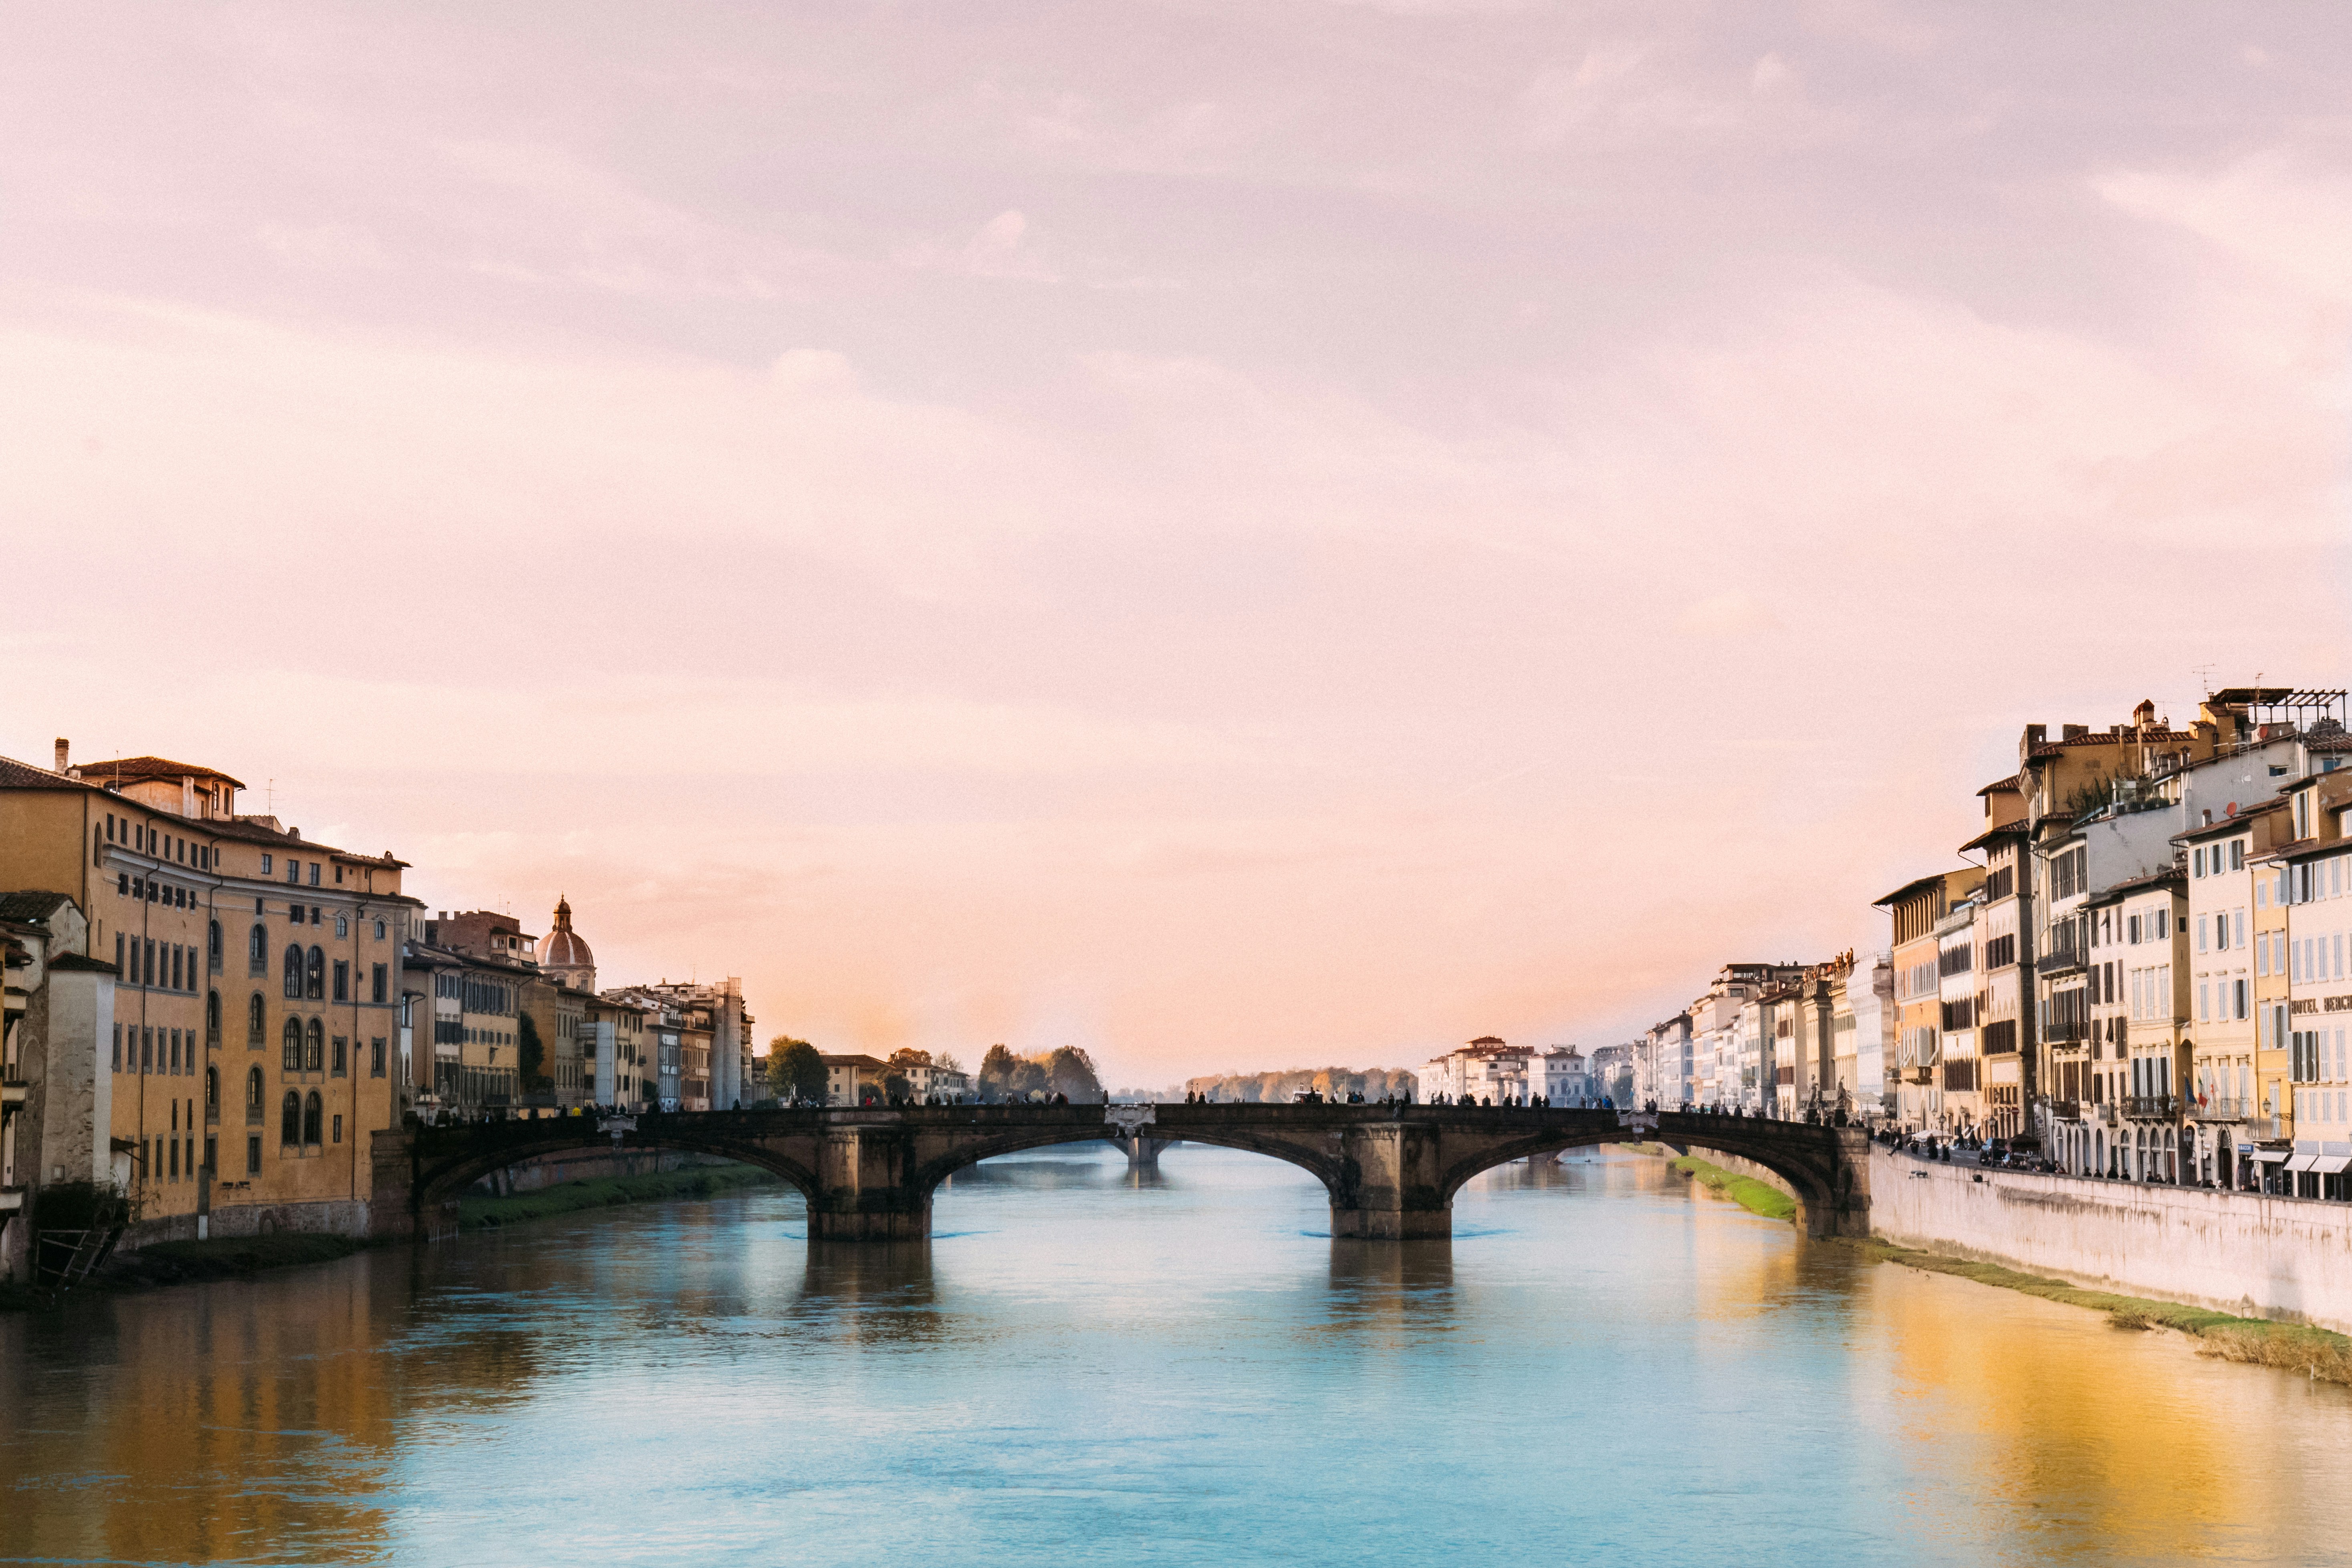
[1823, 1189]
[436, 1184]
[1333, 1171]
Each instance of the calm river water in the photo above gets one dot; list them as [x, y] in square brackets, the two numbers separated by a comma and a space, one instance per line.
[1604, 1365]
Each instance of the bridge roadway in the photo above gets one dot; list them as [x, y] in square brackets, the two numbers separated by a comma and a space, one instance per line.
[868, 1175]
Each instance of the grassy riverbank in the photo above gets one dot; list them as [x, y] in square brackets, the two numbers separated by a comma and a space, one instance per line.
[1749, 1194]
[2290, 1347]
[477, 1213]
[2256, 1342]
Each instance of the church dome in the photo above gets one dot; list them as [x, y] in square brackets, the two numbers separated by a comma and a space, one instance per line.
[565, 947]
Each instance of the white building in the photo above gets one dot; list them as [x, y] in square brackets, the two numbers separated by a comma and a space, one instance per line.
[1486, 1071]
[1562, 1076]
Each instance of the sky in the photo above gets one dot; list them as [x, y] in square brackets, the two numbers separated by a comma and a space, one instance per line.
[1232, 535]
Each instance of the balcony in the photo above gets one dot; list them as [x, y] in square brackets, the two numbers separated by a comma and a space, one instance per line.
[2151, 1108]
[2222, 1109]
[2066, 1109]
[2071, 1033]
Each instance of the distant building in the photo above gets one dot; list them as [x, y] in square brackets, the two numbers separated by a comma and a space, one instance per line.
[849, 1080]
[1562, 1076]
[1487, 1069]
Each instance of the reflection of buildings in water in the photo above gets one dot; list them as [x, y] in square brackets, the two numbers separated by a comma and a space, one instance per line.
[2047, 1401]
[179, 1399]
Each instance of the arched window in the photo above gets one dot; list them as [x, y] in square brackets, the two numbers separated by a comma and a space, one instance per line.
[294, 971]
[342, 924]
[289, 1118]
[318, 975]
[213, 944]
[212, 1017]
[315, 1056]
[211, 1090]
[253, 1026]
[293, 1053]
[256, 951]
[310, 1118]
[253, 1092]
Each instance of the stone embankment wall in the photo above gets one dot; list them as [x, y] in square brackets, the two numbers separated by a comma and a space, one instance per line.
[347, 1218]
[2284, 1258]
[587, 1165]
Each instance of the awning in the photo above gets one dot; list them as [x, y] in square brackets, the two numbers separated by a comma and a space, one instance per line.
[2331, 1164]
[2301, 1163]
[2269, 1156]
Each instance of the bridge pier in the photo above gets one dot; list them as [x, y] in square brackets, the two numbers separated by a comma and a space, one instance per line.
[865, 1190]
[1142, 1153]
[1392, 1185]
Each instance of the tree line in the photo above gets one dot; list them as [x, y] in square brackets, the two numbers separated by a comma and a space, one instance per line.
[796, 1072]
[1280, 1088]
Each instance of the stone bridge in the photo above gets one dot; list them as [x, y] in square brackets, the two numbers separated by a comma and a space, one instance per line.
[868, 1175]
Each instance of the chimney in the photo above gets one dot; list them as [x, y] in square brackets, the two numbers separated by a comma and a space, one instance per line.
[64, 746]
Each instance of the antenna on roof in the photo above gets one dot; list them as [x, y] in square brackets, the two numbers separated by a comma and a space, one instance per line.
[2204, 673]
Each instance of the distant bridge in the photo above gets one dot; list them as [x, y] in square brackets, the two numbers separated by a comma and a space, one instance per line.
[868, 1175]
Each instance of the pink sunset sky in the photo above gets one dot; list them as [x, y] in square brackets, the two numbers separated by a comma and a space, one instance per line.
[1234, 535]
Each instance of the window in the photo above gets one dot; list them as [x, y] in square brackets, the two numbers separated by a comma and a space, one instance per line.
[293, 871]
[253, 1093]
[342, 924]
[265, 865]
[211, 1090]
[343, 980]
[338, 1068]
[379, 984]
[294, 971]
[212, 1017]
[292, 1053]
[315, 1050]
[314, 882]
[375, 1057]
[317, 981]
[118, 1047]
[212, 945]
[256, 951]
[339, 1129]
[379, 931]
[311, 1109]
[289, 1120]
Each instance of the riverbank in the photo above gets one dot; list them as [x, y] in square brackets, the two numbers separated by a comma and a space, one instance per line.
[1749, 1194]
[2255, 1342]
[483, 1212]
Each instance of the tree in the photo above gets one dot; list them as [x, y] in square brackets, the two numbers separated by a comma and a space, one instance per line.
[997, 1069]
[531, 1055]
[894, 1088]
[795, 1071]
[1070, 1071]
[945, 1062]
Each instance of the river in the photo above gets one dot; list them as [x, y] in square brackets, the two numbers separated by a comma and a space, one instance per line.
[1605, 1364]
